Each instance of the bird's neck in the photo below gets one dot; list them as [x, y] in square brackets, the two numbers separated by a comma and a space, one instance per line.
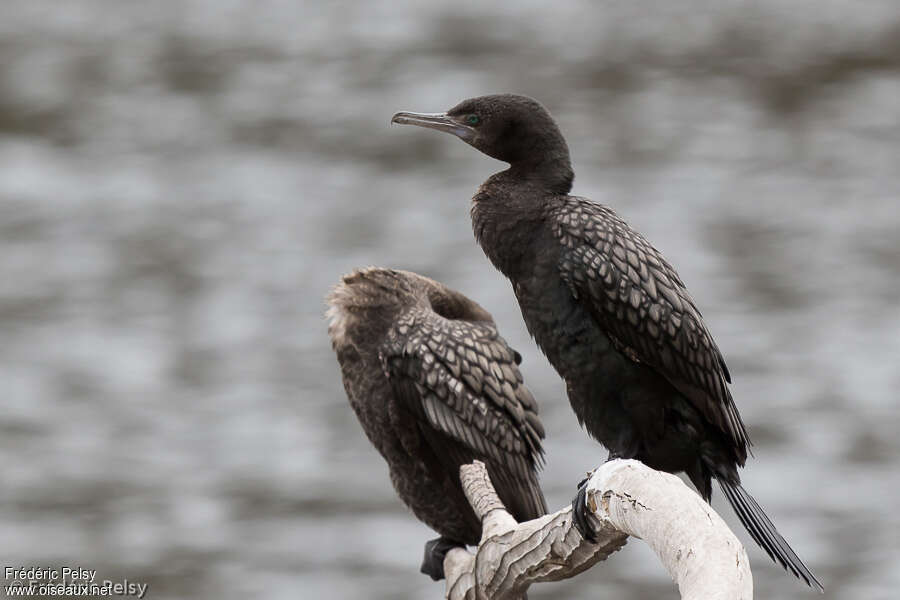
[507, 213]
[551, 171]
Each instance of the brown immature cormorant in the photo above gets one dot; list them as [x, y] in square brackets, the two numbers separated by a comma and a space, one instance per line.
[642, 371]
[435, 387]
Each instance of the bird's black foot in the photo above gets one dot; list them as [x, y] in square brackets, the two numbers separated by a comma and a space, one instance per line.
[435, 551]
[579, 506]
[580, 514]
[584, 481]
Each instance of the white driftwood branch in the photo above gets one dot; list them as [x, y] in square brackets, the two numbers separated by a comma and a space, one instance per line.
[698, 550]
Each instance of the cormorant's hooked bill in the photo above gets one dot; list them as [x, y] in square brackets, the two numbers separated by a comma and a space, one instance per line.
[440, 121]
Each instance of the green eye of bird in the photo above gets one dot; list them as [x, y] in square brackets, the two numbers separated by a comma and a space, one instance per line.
[472, 119]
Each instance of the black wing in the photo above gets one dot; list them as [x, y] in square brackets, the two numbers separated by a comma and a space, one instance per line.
[642, 304]
[461, 380]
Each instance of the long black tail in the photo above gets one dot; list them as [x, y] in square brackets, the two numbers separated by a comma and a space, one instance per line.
[763, 532]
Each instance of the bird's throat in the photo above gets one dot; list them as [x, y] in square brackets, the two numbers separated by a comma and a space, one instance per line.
[507, 212]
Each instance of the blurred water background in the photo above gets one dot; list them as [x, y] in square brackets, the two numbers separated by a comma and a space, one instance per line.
[181, 182]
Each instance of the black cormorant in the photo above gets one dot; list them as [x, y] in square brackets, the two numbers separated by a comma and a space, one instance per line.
[643, 374]
[435, 386]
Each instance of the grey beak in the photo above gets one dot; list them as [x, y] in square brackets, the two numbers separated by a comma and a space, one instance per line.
[439, 121]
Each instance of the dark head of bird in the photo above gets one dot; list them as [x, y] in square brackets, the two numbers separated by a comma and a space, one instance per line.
[366, 303]
[512, 128]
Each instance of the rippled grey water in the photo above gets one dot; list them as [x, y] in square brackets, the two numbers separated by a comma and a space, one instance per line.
[181, 182]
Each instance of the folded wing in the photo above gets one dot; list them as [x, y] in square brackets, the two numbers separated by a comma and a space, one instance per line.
[641, 303]
[462, 381]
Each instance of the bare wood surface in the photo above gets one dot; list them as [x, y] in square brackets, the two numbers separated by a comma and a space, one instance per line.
[698, 550]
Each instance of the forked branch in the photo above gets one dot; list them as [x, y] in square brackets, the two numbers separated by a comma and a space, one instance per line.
[699, 551]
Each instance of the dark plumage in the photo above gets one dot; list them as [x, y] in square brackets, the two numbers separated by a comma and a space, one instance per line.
[642, 371]
[435, 387]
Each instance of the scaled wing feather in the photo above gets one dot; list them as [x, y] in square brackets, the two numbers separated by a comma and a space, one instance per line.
[645, 308]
